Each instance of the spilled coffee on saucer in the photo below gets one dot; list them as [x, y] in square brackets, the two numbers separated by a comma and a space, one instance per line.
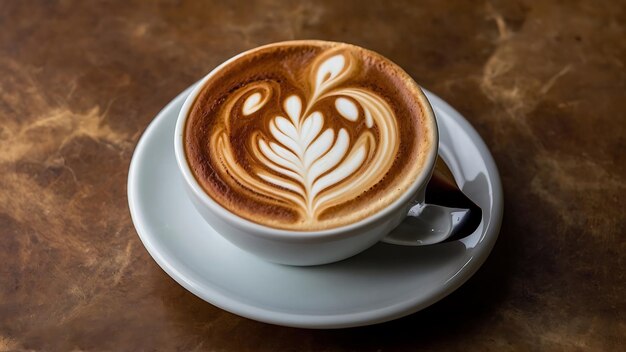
[307, 135]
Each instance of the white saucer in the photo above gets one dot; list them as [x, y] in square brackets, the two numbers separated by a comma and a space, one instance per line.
[383, 283]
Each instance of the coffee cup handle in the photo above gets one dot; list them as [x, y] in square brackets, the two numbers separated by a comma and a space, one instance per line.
[443, 214]
[428, 224]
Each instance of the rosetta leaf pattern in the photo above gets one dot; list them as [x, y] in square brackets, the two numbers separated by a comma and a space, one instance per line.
[303, 152]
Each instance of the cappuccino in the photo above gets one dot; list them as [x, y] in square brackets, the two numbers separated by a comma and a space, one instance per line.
[308, 135]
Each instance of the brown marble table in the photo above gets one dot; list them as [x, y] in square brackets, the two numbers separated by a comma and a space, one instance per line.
[544, 82]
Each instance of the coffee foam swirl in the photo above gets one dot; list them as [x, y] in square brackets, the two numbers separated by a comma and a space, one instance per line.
[295, 147]
[305, 160]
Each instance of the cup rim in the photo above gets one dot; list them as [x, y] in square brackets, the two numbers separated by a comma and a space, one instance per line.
[268, 232]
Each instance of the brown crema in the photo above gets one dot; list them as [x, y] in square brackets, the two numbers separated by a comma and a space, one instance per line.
[308, 135]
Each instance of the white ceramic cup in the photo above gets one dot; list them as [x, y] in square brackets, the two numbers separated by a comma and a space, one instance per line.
[308, 247]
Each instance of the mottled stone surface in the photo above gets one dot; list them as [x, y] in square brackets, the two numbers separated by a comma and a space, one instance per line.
[544, 82]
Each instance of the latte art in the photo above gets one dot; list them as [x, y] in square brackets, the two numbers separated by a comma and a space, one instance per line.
[300, 147]
[304, 160]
